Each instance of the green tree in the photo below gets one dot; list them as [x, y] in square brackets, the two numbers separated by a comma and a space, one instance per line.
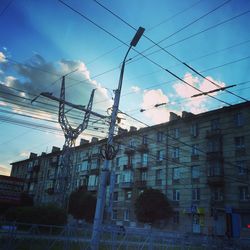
[151, 206]
[47, 215]
[82, 205]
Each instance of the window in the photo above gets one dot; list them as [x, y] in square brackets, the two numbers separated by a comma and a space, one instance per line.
[215, 168]
[117, 178]
[195, 150]
[196, 194]
[95, 163]
[175, 152]
[214, 145]
[144, 139]
[160, 136]
[114, 214]
[215, 124]
[217, 194]
[132, 143]
[195, 172]
[243, 193]
[115, 196]
[127, 176]
[144, 175]
[242, 168]
[131, 160]
[144, 158]
[176, 217]
[194, 129]
[128, 194]
[176, 195]
[93, 180]
[126, 215]
[176, 133]
[84, 166]
[160, 155]
[238, 119]
[176, 173]
[158, 174]
[117, 161]
[239, 142]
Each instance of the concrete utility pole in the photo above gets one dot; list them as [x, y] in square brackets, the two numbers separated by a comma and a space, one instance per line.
[109, 153]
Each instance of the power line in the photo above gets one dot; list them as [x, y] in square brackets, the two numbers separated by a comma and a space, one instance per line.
[176, 58]
[150, 60]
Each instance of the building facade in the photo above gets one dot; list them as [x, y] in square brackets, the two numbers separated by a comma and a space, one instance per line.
[200, 162]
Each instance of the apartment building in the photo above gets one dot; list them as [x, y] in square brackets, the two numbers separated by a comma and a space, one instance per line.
[200, 162]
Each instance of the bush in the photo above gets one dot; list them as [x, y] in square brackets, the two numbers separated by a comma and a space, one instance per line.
[47, 215]
[82, 205]
[151, 206]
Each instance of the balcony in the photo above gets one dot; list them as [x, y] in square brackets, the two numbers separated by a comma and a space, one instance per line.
[141, 183]
[219, 203]
[93, 188]
[129, 151]
[127, 166]
[240, 152]
[215, 180]
[93, 171]
[214, 155]
[213, 133]
[194, 157]
[50, 191]
[142, 165]
[127, 184]
[143, 147]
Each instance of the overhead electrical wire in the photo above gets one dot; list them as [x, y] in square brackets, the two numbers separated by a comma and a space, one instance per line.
[148, 59]
[171, 54]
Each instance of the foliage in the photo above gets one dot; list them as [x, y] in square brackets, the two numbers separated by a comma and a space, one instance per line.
[151, 206]
[82, 204]
[26, 200]
[47, 215]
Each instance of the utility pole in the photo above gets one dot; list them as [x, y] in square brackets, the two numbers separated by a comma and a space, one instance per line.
[109, 153]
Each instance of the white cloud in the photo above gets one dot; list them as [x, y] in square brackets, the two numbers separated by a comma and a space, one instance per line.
[197, 104]
[3, 103]
[4, 170]
[2, 57]
[151, 98]
[24, 154]
[135, 89]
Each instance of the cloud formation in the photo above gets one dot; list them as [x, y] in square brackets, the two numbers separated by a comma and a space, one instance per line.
[4, 170]
[151, 98]
[197, 104]
[38, 75]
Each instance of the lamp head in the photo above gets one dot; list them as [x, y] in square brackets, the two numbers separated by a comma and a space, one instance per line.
[137, 36]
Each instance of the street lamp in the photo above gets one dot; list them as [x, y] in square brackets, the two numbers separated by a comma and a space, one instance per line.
[105, 170]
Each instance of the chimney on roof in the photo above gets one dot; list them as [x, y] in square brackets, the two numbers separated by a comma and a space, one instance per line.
[43, 154]
[83, 141]
[33, 155]
[173, 116]
[186, 114]
[55, 149]
[132, 129]
[122, 131]
[94, 139]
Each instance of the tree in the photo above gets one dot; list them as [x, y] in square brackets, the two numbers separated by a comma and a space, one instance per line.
[47, 215]
[82, 204]
[151, 206]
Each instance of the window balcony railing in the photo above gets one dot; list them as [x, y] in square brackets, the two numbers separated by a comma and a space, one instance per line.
[126, 184]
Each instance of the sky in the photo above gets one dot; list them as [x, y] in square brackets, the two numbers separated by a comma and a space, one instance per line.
[189, 47]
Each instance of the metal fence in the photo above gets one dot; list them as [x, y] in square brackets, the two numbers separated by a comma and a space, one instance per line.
[20, 236]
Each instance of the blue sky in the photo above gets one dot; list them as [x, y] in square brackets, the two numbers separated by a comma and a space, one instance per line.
[41, 41]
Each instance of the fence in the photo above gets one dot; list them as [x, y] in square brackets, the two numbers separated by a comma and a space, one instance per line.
[20, 236]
